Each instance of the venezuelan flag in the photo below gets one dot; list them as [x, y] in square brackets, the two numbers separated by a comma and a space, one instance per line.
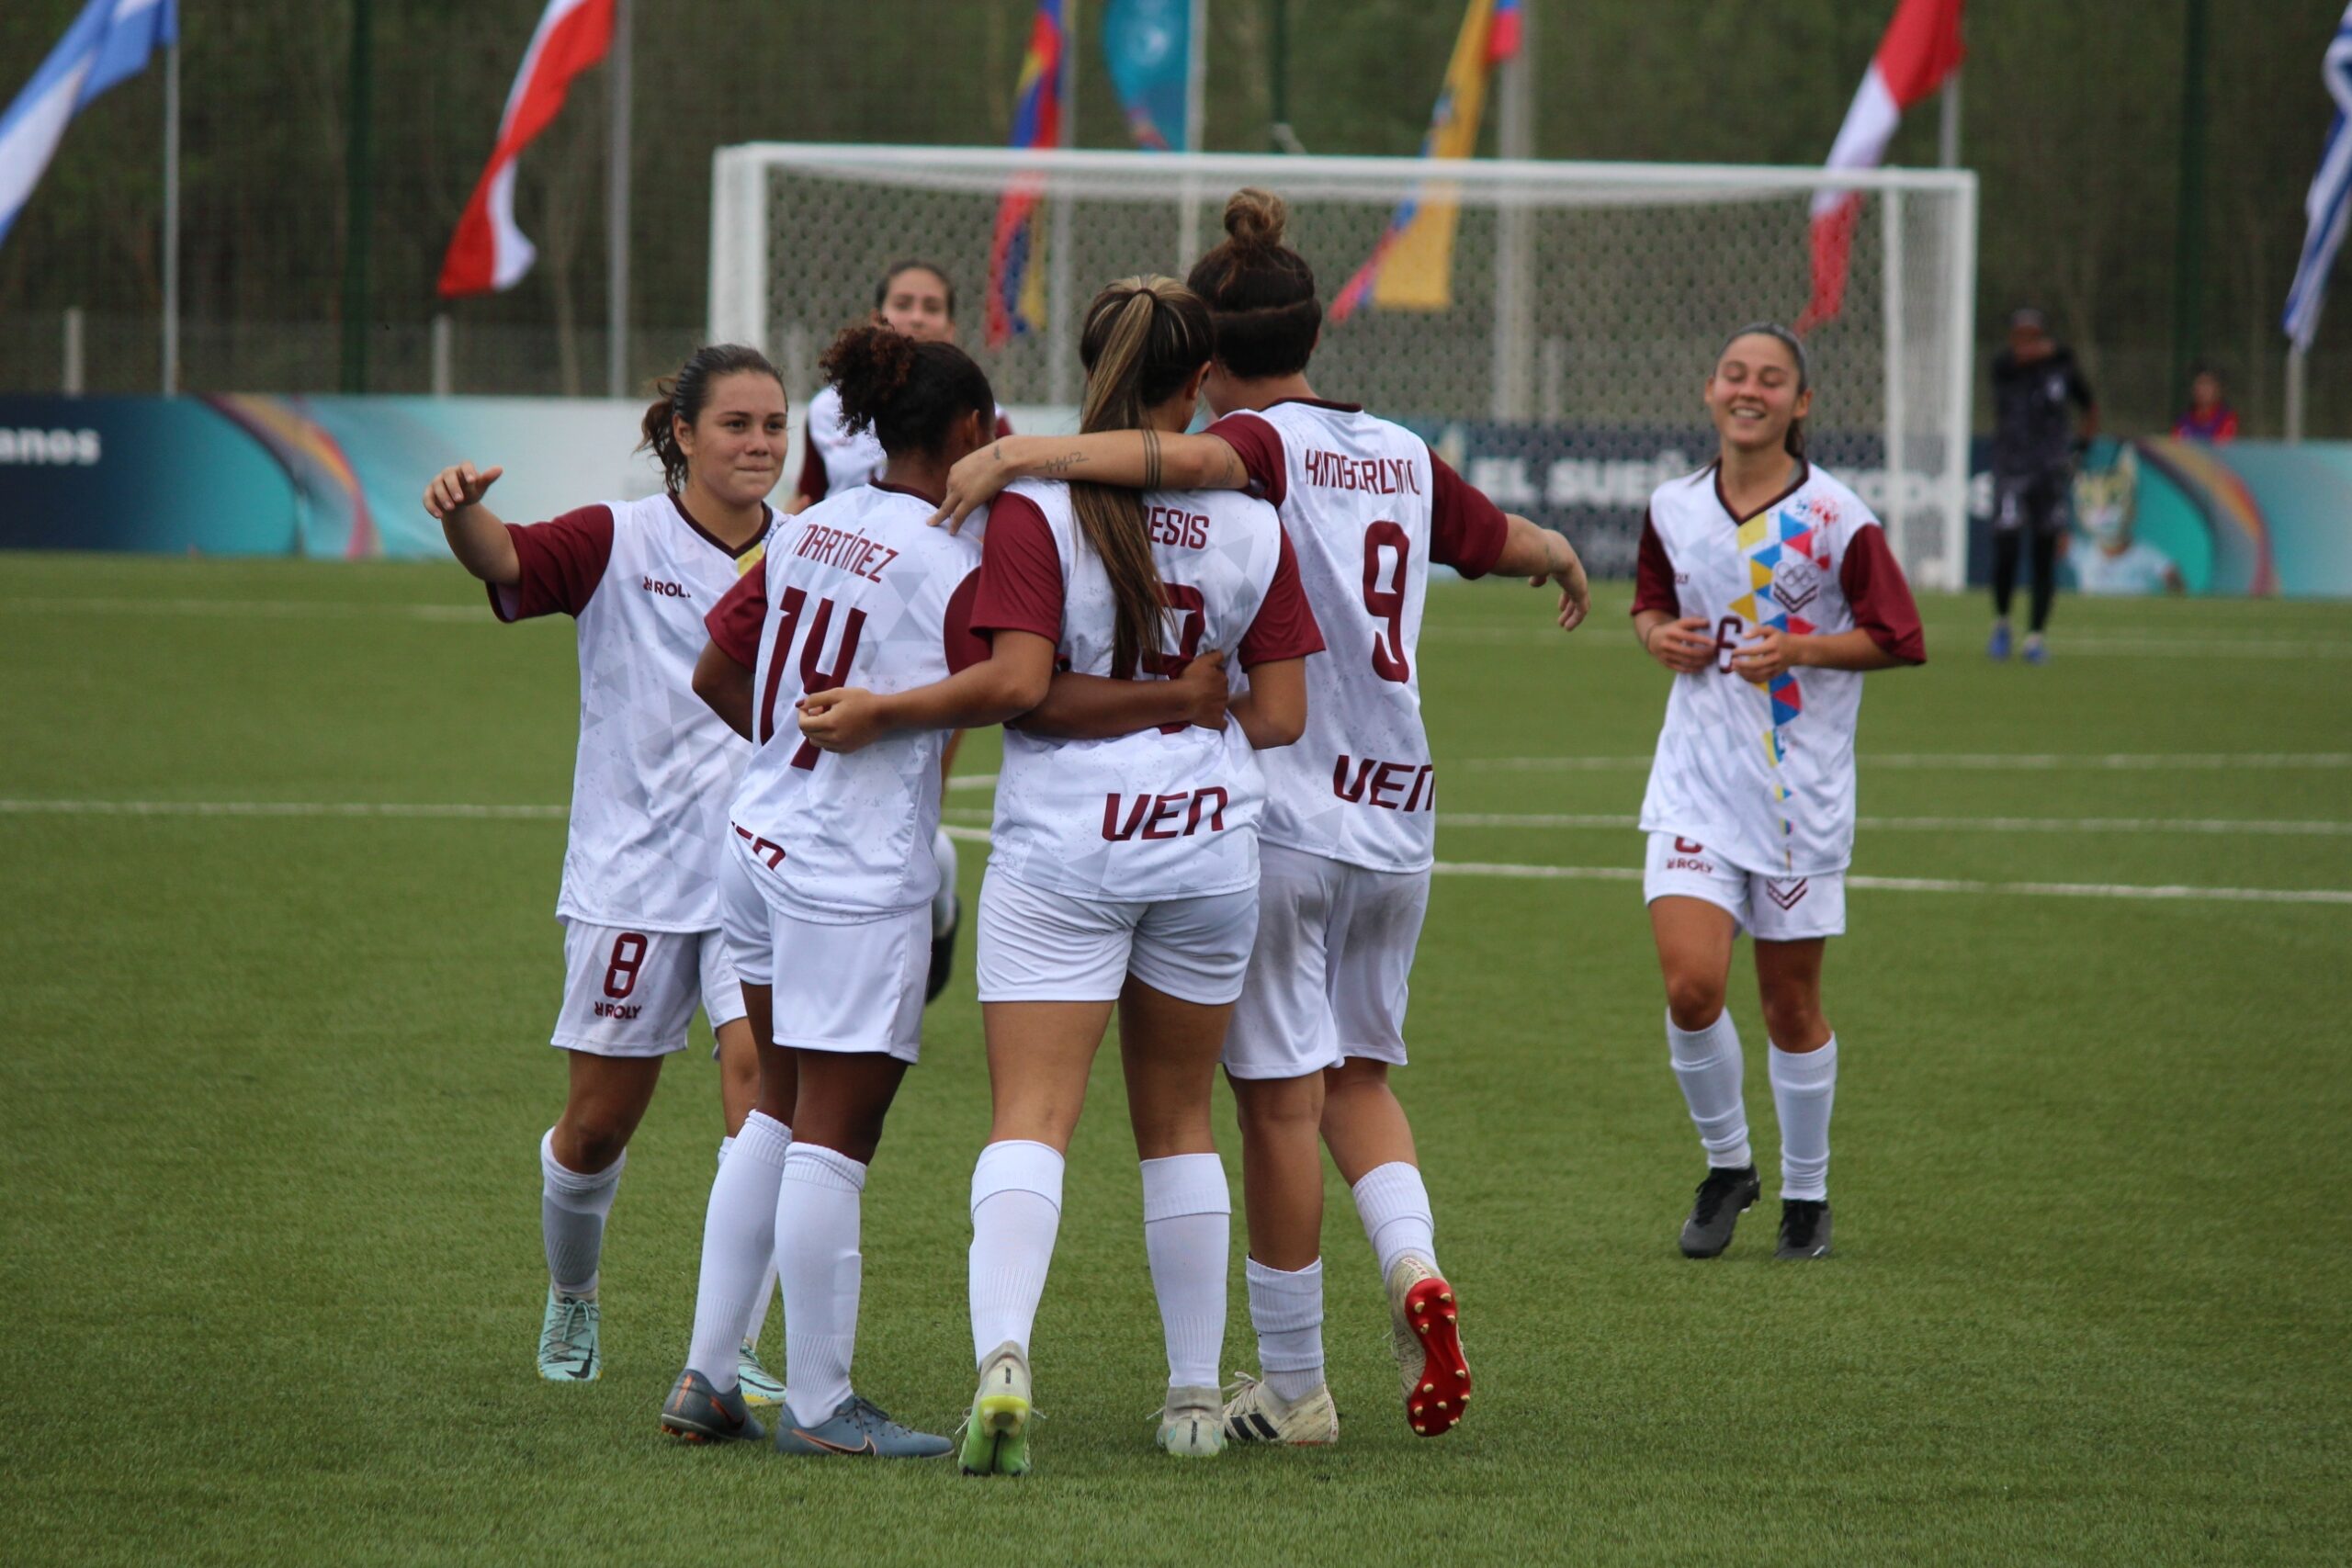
[1017, 252]
[1411, 267]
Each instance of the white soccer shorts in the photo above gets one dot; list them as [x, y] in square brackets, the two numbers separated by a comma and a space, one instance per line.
[1037, 945]
[1330, 976]
[629, 993]
[837, 985]
[1769, 909]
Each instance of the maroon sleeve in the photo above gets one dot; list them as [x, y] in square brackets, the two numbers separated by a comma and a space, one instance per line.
[1003, 422]
[813, 482]
[1285, 627]
[734, 622]
[562, 561]
[964, 647]
[1881, 598]
[1653, 574]
[1021, 573]
[1466, 530]
[1259, 446]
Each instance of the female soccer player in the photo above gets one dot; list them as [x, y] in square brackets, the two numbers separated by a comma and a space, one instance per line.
[639, 903]
[826, 892]
[1767, 589]
[1123, 870]
[1350, 827]
[916, 299]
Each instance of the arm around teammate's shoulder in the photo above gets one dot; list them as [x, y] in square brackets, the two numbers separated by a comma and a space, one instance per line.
[1133, 459]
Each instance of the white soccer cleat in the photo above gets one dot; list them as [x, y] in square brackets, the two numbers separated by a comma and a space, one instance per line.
[1192, 1424]
[1256, 1414]
[1425, 1331]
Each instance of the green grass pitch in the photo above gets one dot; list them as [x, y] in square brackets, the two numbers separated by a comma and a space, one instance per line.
[273, 1085]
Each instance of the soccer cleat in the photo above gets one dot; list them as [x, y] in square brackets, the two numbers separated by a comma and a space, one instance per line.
[1724, 1196]
[943, 952]
[1192, 1424]
[857, 1427]
[1256, 1414]
[996, 1435]
[762, 1391]
[568, 1339]
[697, 1413]
[1425, 1331]
[1998, 647]
[1804, 1228]
[2036, 650]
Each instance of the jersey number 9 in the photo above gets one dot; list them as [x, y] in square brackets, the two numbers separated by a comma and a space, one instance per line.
[1389, 658]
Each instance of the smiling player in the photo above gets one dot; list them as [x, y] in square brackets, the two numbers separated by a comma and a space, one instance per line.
[1767, 587]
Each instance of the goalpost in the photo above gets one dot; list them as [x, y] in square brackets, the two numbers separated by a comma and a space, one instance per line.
[1564, 378]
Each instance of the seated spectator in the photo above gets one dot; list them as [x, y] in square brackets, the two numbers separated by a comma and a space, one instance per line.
[2209, 418]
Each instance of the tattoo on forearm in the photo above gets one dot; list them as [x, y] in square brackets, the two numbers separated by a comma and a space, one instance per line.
[1150, 460]
[1234, 469]
[1062, 464]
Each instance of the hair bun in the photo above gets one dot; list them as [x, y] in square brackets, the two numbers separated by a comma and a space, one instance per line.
[1255, 217]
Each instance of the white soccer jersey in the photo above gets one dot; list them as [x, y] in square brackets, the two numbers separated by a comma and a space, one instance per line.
[656, 767]
[1165, 813]
[1765, 776]
[857, 591]
[835, 458]
[1368, 507]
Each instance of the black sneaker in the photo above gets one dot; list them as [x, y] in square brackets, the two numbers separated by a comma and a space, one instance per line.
[942, 956]
[1804, 1228]
[1723, 1198]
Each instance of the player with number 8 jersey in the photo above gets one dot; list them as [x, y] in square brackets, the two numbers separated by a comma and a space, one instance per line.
[1349, 829]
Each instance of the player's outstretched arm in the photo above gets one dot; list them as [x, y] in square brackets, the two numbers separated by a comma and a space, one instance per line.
[477, 535]
[1097, 707]
[1272, 712]
[726, 688]
[1009, 682]
[1541, 556]
[1136, 460]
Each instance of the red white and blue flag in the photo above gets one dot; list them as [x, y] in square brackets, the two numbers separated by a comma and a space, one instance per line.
[1017, 249]
[1920, 50]
[489, 252]
[2329, 205]
[109, 43]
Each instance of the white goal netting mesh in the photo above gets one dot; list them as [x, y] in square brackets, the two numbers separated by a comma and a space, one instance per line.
[1564, 377]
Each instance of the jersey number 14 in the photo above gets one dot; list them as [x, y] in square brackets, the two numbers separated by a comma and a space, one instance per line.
[815, 676]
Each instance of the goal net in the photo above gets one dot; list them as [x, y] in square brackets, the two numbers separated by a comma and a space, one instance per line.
[1563, 377]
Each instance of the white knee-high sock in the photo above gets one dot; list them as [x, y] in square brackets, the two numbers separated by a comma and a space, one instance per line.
[1708, 1063]
[1188, 1236]
[1286, 1309]
[942, 903]
[817, 1261]
[737, 1239]
[573, 1206]
[1395, 1208]
[1017, 1213]
[1803, 1085]
[758, 1321]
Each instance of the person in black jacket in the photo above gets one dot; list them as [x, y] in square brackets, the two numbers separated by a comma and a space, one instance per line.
[2037, 392]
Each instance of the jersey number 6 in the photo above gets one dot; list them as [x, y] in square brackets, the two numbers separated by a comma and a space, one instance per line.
[1388, 660]
[814, 677]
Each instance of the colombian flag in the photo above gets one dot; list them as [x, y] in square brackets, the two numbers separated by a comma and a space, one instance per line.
[1017, 275]
[1412, 266]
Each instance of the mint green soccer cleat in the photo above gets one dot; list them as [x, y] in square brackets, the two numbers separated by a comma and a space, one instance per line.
[762, 1389]
[568, 1339]
[996, 1436]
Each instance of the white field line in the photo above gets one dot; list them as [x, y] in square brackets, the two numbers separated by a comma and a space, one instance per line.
[972, 780]
[1952, 824]
[1992, 761]
[259, 609]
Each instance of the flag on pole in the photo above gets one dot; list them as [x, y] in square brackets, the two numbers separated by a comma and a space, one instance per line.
[2329, 205]
[1017, 249]
[109, 43]
[1920, 50]
[1411, 265]
[1148, 46]
[489, 250]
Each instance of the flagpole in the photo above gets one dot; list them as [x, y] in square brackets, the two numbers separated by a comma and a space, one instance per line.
[2294, 395]
[1514, 250]
[359, 215]
[1061, 359]
[1948, 134]
[1197, 75]
[616, 211]
[172, 215]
